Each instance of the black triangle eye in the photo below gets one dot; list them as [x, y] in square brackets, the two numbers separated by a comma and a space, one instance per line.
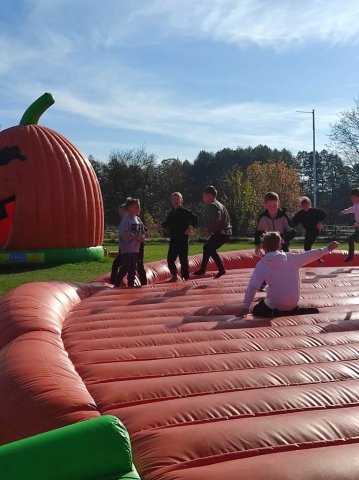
[7, 154]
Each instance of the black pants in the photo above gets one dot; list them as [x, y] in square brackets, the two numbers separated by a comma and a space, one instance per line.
[210, 250]
[140, 265]
[178, 247]
[128, 267]
[115, 266]
[285, 246]
[351, 240]
[310, 238]
[262, 310]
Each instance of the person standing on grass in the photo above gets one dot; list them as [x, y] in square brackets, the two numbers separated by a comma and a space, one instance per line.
[310, 218]
[354, 196]
[219, 228]
[180, 222]
[131, 234]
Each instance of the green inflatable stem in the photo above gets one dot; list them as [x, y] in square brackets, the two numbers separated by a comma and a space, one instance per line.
[36, 109]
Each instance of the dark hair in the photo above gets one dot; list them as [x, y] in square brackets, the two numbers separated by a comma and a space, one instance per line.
[131, 201]
[210, 190]
[271, 241]
[269, 196]
[305, 201]
[355, 192]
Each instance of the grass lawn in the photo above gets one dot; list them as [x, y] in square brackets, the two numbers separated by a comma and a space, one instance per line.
[14, 276]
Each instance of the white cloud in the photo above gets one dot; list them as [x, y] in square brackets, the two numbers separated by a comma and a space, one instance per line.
[190, 127]
[273, 23]
[267, 23]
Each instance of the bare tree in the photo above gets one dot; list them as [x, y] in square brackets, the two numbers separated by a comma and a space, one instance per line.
[345, 134]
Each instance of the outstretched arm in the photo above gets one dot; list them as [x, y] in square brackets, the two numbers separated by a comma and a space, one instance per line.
[313, 255]
[346, 211]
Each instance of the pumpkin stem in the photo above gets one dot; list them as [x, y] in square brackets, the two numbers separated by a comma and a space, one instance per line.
[36, 109]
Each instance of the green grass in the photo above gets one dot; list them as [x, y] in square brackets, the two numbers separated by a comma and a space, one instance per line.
[14, 276]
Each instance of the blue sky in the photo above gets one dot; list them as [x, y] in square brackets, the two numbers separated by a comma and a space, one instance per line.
[179, 76]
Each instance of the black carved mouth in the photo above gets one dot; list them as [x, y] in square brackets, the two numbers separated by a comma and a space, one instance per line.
[7, 206]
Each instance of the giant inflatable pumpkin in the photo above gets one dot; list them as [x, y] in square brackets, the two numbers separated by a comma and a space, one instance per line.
[49, 194]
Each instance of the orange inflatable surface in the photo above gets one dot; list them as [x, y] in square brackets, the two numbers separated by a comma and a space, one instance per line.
[203, 394]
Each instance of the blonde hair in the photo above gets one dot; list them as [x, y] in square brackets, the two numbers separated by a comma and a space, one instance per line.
[271, 241]
[306, 200]
[131, 201]
[177, 194]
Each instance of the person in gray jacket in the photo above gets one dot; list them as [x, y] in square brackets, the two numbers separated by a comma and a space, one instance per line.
[219, 228]
[273, 219]
[131, 235]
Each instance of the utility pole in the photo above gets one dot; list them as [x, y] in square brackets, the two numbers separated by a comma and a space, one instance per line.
[314, 157]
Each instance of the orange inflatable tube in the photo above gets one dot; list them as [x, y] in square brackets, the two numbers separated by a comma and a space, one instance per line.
[203, 394]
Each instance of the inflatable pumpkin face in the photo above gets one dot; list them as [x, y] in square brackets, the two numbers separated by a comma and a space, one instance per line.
[49, 194]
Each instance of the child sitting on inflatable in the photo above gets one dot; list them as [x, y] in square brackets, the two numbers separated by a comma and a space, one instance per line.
[280, 270]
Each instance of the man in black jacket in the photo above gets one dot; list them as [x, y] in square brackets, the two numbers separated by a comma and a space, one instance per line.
[180, 223]
[310, 218]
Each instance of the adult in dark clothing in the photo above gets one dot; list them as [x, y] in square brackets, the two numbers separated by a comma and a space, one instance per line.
[310, 218]
[179, 222]
[220, 229]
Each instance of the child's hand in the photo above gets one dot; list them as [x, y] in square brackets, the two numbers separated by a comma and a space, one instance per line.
[258, 251]
[341, 213]
[332, 246]
[189, 231]
[243, 312]
[319, 226]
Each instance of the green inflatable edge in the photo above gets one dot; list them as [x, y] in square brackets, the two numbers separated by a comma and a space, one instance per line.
[55, 256]
[96, 449]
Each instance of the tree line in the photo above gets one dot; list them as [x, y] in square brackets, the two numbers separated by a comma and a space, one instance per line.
[241, 175]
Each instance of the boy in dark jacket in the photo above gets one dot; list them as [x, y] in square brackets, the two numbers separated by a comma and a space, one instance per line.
[273, 219]
[310, 218]
[219, 228]
[179, 222]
